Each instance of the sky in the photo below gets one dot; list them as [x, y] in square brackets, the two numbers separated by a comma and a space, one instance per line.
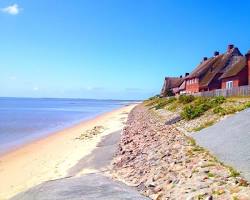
[111, 49]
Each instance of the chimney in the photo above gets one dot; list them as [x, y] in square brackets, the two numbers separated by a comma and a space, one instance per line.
[229, 47]
[216, 53]
[186, 74]
[180, 76]
[204, 59]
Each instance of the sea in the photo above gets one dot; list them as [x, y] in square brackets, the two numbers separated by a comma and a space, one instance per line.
[23, 120]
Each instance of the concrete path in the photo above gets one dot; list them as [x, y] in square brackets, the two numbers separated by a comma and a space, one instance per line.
[101, 157]
[229, 140]
[93, 186]
[87, 187]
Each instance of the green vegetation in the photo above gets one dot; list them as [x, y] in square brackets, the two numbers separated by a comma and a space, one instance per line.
[199, 106]
[158, 102]
[233, 172]
[211, 175]
[235, 198]
[231, 109]
[208, 165]
[184, 99]
[201, 196]
[205, 125]
[191, 107]
[218, 192]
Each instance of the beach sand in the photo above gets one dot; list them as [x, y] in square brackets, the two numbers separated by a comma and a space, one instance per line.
[51, 157]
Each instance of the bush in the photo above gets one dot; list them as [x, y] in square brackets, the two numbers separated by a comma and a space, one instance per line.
[217, 101]
[218, 110]
[184, 99]
[190, 112]
[161, 105]
[247, 105]
[171, 99]
[163, 102]
[230, 110]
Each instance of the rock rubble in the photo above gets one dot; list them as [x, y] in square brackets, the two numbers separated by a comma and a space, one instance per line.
[163, 163]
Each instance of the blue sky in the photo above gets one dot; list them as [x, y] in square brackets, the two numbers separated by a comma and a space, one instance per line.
[119, 49]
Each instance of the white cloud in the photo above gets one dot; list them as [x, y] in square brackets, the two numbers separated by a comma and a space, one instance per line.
[12, 9]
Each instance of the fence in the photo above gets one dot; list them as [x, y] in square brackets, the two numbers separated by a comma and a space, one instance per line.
[237, 91]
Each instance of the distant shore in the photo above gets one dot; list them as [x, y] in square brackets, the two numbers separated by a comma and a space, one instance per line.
[51, 157]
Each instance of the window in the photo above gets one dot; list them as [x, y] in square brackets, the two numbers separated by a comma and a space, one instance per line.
[229, 84]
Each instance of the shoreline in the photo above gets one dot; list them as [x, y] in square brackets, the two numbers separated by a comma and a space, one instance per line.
[52, 156]
[59, 130]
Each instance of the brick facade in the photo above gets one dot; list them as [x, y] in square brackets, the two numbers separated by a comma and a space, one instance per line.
[239, 80]
[192, 85]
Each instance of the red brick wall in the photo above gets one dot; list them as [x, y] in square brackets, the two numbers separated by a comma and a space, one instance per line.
[192, 87]
[235, 80]
[239, 80]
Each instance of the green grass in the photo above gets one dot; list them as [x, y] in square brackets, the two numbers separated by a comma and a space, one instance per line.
[191, 107]
[211, 175]
[233, 172]
[218, 192]
[205, 125]
[199, 106]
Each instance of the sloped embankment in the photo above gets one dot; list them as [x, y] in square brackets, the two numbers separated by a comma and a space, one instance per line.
[165, 164]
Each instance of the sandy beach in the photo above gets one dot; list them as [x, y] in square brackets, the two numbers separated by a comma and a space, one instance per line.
[51, 157]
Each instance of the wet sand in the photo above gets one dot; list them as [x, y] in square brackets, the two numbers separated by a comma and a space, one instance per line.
[51, 157]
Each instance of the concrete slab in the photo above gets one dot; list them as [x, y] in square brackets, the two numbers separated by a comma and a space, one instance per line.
[229, 140]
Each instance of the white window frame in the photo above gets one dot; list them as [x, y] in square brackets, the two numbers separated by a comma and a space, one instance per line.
[229, 84]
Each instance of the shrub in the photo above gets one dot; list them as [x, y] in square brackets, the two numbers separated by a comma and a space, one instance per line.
[161, 105]
[168, 93]
[230, 110]
[163, 102]
[247, 105]
[217, 101]
[186, 99]
[192, 111]
[171, 99]
[233, 172]
[173, 106]
[218, 110]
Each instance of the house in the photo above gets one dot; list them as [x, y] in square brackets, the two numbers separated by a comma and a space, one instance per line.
[222, 71]
[171, 86]
[236, 75]
[209, 73]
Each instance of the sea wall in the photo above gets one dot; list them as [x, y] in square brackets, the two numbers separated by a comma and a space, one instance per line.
[163, 163]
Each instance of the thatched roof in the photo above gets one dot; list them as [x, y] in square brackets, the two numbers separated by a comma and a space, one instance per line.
[220, 64]
[202, 68]
[170, 83]
[235, 68]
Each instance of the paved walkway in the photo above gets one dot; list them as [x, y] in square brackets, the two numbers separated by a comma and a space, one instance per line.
[229, 140]
[93, 186]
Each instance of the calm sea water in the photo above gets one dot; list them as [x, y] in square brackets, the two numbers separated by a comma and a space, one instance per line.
[24, 119]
